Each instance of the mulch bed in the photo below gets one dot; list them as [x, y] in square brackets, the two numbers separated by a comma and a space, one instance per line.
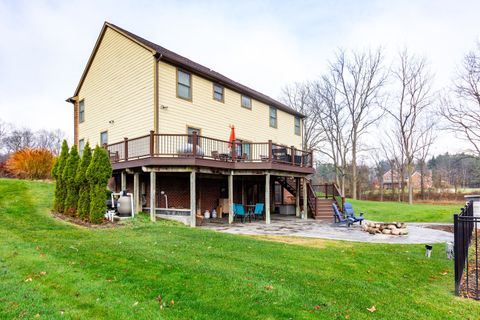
[447, 228]
[106, 224]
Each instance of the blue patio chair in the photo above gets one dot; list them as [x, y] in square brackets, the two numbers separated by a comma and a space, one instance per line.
[258, 212]
[338, 217]
[351, 213]
[239, 212]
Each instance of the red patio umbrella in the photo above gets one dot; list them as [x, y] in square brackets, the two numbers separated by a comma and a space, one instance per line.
[232, 137]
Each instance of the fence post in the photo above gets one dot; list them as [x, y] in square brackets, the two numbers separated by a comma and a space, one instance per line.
[292, 148]
[456, 254]
[152, 143]
[194, 143]
[270, 150]
[125, 141]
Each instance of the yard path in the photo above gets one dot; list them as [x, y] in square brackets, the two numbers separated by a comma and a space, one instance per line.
[418, 233]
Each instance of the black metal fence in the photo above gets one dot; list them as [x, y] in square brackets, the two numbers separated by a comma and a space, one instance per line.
[466, 252]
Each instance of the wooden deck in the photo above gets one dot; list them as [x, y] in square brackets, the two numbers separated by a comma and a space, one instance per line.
[177, 150]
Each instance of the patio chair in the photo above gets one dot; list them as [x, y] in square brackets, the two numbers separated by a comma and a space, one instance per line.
[239, 212]
[351, 213]
[258, 211]
[338, 217]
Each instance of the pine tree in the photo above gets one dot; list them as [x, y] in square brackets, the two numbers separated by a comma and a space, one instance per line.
[98, 173]
[57, 174]
[69, 174]
[83, 207]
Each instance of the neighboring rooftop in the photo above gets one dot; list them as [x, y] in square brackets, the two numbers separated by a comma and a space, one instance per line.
[176, 59]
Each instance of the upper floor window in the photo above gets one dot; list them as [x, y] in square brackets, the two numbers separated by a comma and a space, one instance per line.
[218, 92]
[246, 102]
[103, 138]
[297, 126]
[273, 117]
[81, 111]
[81, 145]
[184, 85]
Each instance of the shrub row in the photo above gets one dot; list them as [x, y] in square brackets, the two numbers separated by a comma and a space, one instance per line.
[81, 182]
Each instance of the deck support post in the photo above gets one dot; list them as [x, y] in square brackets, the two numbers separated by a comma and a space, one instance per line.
[123, 180]
[136, 192]
[193, 198]
[297, 197]
[305, 199]
[230, 197]
[153, 196]
[267, 198]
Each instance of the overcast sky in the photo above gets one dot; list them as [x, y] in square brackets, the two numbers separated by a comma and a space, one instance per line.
[263, 44]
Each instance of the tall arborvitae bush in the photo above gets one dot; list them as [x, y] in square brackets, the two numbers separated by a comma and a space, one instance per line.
[83, 207]
[98, 173]
[69, 174]
[57, 174]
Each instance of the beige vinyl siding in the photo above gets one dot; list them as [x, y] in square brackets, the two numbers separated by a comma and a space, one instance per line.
[118, 87]
[214, 117]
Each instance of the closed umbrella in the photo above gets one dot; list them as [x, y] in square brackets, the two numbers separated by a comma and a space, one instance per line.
[232, 138]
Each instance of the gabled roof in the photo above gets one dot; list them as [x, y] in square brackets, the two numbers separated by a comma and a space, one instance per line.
[175, 59]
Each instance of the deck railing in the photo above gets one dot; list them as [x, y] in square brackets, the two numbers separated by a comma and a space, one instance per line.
[330, 191]
[182, 145]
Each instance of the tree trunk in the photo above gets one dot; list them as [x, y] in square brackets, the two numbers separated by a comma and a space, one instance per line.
[354, 170]
[410, 185]
[422, 180]
[381, 188]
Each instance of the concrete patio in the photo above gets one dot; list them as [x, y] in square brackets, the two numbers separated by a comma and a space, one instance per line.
[291, 226]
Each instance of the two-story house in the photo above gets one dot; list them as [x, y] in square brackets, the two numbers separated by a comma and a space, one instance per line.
[167, 123]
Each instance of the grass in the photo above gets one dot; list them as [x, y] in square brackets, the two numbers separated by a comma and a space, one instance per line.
[50, 269]
[394, 211]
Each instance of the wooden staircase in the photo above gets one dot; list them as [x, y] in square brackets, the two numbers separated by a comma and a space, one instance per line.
[320, 197]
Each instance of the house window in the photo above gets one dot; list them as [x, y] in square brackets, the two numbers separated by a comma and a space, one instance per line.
[190, 131]
[103, 138]
[81, 111]
[297, 126]
[273, 117]
[81, 144]
[184, 85]
[246, 102]
[218, 92]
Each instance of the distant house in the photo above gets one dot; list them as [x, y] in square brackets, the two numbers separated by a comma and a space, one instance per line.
[397, 181]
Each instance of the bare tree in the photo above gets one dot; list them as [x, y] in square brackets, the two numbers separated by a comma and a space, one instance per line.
[49, 139]
[380, 168]
[360, 79]
[463, 115]
[413, 100]
[299, 97]
[333, 117]
[19, 139]
[427, 138]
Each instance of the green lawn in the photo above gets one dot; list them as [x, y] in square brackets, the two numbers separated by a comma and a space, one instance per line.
[395, 211]
[50, 269]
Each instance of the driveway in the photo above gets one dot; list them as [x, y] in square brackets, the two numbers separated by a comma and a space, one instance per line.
[418, 233]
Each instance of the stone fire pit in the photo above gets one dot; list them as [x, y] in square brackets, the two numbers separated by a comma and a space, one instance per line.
[392, 228]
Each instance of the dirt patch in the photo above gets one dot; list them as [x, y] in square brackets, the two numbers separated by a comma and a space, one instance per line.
[446, 228]
[314, 243]
[106, 224]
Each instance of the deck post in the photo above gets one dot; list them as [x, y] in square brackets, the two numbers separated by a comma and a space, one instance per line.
[123, 180]
[153, 196]
[193, 199]
[267, 198]
[136, 192]
[297, 197]
[305, 199]
[230, 197]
